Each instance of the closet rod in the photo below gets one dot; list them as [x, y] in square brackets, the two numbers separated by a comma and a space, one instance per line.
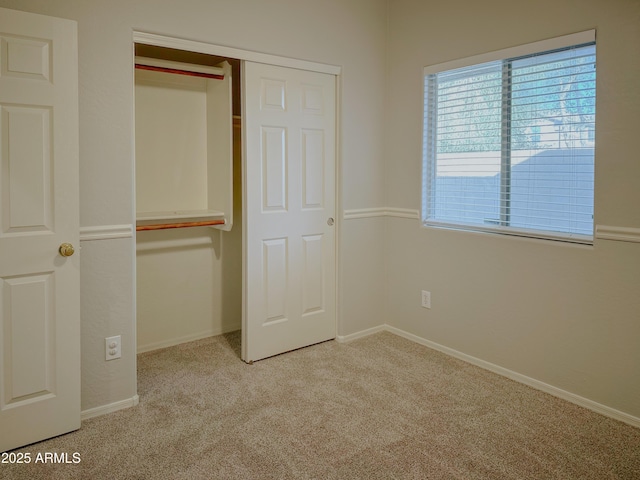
[164, 226]
[180, 68]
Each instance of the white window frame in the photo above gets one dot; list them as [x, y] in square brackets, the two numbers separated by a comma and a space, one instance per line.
[565, 41]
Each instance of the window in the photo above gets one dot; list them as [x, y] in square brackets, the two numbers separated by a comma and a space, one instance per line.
[509, 141]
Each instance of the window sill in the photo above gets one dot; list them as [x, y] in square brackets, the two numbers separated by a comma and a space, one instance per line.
[513, 232]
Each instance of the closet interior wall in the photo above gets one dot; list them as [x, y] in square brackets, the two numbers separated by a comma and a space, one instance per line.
[189, 280]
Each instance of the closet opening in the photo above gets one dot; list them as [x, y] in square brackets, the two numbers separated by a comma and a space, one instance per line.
[188, 196]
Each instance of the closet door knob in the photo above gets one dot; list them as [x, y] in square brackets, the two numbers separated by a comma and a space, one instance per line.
[330, 221]
[66, 250]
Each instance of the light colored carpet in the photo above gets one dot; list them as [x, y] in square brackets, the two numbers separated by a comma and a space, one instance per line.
[378, 408]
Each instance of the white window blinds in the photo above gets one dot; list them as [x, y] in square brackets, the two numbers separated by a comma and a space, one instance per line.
[509, 145]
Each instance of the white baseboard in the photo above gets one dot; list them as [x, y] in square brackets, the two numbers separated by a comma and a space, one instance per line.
[187, 338]
[361, 334]
[112, 407]
[538, 385]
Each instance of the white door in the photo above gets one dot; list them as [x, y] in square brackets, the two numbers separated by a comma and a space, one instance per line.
[289, 135]
[39, 287]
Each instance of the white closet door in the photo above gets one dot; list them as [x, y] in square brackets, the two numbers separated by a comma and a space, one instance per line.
[39, 287]
[289, 134]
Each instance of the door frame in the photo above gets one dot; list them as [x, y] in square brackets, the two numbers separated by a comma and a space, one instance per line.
[157, 40]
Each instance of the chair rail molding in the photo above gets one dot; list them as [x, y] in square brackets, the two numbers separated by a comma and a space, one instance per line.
[381, 212]
[105, 232]
[621, 234]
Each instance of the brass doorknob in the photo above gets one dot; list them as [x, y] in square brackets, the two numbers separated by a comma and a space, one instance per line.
[66, 250]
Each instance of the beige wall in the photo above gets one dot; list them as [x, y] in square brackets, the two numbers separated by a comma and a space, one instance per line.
[189, 285]
[350, 34]
[565, 315]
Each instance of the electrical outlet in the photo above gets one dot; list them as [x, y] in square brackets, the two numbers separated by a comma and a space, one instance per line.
[113, 347]
[426, 299]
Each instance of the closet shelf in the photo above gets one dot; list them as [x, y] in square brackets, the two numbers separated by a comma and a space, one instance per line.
[178, 219]
[168, 66]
